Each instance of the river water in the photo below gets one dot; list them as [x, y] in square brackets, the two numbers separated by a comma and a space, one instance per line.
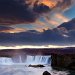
[18, 65]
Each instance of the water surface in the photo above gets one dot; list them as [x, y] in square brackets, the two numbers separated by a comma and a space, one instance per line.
[18, 65]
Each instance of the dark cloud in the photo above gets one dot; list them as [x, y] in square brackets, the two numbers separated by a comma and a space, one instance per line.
[32, 38]
[3, 28]
[25, 11]
[11, 10]
[69, 26]
[41, 8]
[8, 29]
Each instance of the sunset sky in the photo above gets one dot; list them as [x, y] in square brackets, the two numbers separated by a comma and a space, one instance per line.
[37, 22]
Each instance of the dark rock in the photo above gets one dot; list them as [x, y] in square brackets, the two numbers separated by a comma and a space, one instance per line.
[71, 66]
[36, 65]
[46, 73]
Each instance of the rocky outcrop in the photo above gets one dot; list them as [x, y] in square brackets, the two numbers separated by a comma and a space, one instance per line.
[36, 66]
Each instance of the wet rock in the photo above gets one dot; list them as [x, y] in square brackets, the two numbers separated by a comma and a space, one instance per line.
[36, 66]
[46, 73]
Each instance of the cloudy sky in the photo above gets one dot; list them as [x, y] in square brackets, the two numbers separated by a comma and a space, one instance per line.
[37, 22]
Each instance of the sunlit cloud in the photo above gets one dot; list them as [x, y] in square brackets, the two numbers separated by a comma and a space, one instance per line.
[61, 17]
[49, 3]
[31, 46]
[38, 22]
[65, 35]
[55, 20]
[14, 30]
[41, 29]
[51, 22]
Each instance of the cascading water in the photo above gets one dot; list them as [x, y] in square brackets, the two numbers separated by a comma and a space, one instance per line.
[38, 60]
[27, 60]
[5, 61]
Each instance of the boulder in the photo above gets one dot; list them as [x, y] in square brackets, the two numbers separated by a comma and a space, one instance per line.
[46, 73]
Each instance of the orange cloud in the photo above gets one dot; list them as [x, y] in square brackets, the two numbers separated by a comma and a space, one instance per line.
[61, 17]
[16, 30]
[56, 20]
[53, 22]
[49, 3]
[40, 23]
[41, 29]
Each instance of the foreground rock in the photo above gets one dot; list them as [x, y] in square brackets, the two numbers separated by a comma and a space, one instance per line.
[36, 66]
[46, 73]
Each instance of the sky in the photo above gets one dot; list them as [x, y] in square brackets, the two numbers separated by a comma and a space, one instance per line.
[37, 22]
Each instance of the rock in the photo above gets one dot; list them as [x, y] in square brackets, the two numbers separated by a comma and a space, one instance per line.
[71, 66]
[36, 65]
[46, 73]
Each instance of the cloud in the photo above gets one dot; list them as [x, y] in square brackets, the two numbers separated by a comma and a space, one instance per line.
[5, 28]
[65, 4]
[27, 11]
[52, 22]
[61, 17]
[14, 12]
[55, 20]
[32, 37]
[67, 29]
[41, 8]
[69, 26]
[14, 30]
[62, 35]
[8, 29]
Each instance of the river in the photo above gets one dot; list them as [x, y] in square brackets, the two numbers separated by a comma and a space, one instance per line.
[18, 65]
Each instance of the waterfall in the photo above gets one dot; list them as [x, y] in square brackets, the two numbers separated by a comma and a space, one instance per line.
[20, 58]
[38, 60]
[5, 61]
[25, 60]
